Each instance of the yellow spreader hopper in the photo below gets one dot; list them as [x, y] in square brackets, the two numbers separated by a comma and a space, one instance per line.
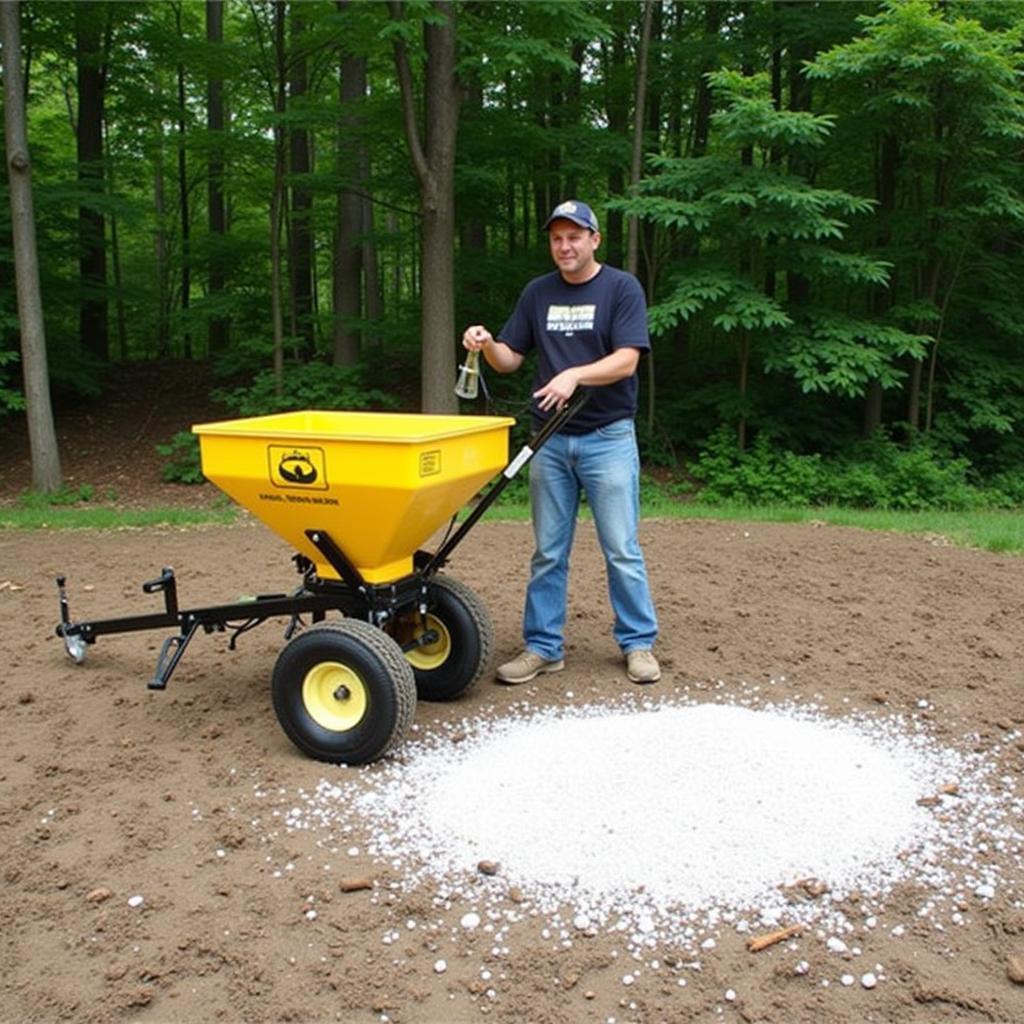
[379, 483]
[356, 494]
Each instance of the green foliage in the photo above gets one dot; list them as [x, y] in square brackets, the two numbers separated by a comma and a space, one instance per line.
[11, 398]
[787, 283]
[307, 386]
[876, 473]
[65, 496]
[183, 465]
[762, 476]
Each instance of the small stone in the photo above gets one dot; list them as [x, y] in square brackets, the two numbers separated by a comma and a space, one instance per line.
[440, 966]
[470, 921]
[985, 892]
[355, 883]
[98, 895]
[951, 788]
[515, 894]
[115, 972]
[836, 945]
[869, 980]
[142, 996]
[1015, 969]
[879, 697]
[589, 994]
[847, 980]
[136, 901]
[488, 867]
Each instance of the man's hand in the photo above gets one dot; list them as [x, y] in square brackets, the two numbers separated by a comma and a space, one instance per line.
[498, 355]
[557, 392]
[474, 338]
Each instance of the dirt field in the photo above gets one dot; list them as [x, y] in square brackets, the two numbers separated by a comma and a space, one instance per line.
[110, 791]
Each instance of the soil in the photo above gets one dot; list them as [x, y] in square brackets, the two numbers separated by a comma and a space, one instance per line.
[109, 791]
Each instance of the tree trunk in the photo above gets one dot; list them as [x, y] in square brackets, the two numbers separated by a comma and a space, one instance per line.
[161, 262]
[92, 262]
[617, 112]
[743, 356]
[42, 437]
[887, 165]
[472, 229]
[277, 202]
[184, 216]
[433, 157]
[218, 334]
[300, 159]
[872, 408]
[636, 164]
[348, 252]
[372, 288]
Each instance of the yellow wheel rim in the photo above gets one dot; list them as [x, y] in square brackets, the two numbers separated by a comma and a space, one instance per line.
[334, 696]
[430, 656]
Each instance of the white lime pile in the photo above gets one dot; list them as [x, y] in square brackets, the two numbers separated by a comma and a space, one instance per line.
[671, 821]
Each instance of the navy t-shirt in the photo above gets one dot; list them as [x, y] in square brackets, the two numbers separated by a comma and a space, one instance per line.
[576, 324]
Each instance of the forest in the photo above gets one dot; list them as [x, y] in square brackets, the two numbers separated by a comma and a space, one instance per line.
[824, 202]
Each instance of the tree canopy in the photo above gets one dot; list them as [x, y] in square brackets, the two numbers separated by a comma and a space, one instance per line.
[828, 215]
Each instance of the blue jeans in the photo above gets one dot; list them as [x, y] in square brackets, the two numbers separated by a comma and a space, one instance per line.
[603, 463]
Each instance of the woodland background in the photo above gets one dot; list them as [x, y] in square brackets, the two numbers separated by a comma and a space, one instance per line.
[310, 200]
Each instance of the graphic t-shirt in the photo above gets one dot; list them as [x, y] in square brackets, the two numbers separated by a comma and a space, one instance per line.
[575, 324]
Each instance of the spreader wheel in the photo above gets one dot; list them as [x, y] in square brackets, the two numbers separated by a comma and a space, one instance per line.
[448, 666]
[343, 692]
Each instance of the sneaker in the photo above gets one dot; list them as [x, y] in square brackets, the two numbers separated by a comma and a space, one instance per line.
[526, 667]
[642, 667]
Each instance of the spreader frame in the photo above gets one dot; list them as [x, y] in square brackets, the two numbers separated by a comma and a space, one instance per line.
[352, 595]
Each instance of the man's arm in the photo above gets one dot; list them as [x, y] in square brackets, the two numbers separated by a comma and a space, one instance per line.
[498, 355]
[608, 369]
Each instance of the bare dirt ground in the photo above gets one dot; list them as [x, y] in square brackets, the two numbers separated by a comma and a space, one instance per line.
[109, 791]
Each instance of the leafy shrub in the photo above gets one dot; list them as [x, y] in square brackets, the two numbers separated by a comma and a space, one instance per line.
[306, 386]
[183, 465]
[763, 475]
[1006, 490]
[877, 473]
[65, 495]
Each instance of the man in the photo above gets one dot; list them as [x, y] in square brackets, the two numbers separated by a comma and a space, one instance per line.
[588, 323]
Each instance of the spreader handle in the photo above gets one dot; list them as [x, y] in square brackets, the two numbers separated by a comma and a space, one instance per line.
[551, 426]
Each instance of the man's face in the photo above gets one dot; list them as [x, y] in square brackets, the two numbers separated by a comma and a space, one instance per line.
[572, 249]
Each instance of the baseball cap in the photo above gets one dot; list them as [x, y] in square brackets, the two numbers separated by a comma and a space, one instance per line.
[577, 212]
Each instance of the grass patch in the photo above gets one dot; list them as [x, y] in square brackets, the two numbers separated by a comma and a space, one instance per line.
[997, 530]
[41, 516]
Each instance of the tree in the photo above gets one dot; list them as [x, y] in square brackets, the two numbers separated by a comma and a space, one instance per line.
[944, 91]
[92, 84]
[752, 219]
[215, 203]
[46, 474]
[349, 253]
[432, 150]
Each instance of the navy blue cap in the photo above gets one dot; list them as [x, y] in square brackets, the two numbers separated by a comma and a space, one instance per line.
[577, 212]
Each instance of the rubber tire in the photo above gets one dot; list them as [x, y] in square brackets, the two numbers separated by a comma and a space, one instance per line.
[381, 667]
[471, 640]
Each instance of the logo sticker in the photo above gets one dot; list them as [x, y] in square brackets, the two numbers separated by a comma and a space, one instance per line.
[430, 462]
[304, 468]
